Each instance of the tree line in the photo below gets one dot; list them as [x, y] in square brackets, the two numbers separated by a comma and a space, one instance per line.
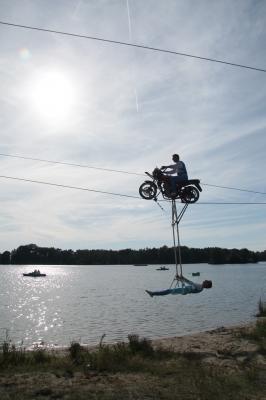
[33, 254]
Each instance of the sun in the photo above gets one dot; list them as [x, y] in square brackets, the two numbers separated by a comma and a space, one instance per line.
[52, 95]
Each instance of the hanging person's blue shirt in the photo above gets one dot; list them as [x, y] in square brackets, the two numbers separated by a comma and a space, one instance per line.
[191, 288]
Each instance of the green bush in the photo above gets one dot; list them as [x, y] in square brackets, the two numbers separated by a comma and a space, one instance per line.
[40, 356]
[76, 352]
[103, 359]
[257, 334]
[10, 355]
[261, 308]
[260, 329]
[138, 345]
[120, 356]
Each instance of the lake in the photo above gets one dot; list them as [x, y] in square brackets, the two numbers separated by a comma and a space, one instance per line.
[82, 303]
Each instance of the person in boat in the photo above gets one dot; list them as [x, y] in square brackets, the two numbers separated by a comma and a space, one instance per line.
[36, 272]
[178, 170]
[186, 288]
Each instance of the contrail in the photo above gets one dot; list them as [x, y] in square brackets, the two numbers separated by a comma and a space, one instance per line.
[130, 38]
[136, 97]
[77, 7]
[129, 22]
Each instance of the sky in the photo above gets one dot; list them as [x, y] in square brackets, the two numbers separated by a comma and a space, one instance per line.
[103, 105]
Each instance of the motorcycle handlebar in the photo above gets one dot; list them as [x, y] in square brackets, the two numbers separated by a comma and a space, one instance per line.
[147, 173]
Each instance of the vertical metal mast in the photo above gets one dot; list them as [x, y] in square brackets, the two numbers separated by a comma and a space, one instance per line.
[176, 218]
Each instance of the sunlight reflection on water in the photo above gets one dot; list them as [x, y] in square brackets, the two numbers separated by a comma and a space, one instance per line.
[84, 302]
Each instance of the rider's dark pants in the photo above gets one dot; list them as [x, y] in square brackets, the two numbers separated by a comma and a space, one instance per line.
[176, 179]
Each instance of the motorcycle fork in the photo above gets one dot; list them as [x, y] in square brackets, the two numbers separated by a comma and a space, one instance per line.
[159, 191]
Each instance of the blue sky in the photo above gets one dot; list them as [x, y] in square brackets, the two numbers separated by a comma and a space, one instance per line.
[86, 102]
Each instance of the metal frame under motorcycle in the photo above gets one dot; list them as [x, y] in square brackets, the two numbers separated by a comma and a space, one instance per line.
[176, 218]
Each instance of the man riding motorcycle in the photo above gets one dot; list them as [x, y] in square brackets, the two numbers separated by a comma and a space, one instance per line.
[173, 184]
[178, 170]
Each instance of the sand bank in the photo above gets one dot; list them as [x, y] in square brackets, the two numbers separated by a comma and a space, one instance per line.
[223, 346]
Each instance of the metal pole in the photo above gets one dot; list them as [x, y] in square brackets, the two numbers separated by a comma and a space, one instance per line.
[175, 221]
[179, 251]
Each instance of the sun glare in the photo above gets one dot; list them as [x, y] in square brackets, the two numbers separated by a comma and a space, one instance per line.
[52, 95]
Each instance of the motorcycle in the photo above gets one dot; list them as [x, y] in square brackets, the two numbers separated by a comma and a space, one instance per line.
[187, 191]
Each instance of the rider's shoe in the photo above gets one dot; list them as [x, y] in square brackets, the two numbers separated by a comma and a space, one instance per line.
[173, 195]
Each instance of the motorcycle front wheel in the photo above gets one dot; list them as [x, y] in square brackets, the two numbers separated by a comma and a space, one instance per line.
[189, 194]
[148, 190]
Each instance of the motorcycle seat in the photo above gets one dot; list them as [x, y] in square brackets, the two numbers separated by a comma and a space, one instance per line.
[193, 181]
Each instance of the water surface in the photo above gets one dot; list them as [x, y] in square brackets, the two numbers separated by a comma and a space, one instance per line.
[84, 302]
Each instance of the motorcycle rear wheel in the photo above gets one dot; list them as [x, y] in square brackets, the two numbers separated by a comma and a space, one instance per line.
[148, 190]
[189, 194]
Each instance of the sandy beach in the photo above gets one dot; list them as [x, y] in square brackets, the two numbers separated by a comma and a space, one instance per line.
[224, 346]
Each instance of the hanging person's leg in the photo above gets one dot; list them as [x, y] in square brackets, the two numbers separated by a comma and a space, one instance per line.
[159, 292]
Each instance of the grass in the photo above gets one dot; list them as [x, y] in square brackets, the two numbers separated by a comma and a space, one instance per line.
[258, 333]
[104, 358]
[261, 308]
[129, 370]
[147, 373]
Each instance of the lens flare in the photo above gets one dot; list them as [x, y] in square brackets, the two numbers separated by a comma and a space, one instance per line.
[24, 54]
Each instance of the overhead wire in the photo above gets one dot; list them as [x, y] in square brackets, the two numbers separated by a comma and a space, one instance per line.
[70, 164]
[116, 170]
[231, 202]
[233, 188]
[122, 43]
[112, 193]
[67, 186]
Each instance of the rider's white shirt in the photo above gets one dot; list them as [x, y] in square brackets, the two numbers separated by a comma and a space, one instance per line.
[178, 169]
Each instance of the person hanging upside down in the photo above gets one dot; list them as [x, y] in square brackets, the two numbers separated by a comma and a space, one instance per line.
[186, 288]
[179, 172]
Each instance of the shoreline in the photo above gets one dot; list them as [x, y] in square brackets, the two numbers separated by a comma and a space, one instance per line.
[207, 343]
[176, 342]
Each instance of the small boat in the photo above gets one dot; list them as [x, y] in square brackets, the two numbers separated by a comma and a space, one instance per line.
[162, 269]
[195, 273]
[36, 273]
